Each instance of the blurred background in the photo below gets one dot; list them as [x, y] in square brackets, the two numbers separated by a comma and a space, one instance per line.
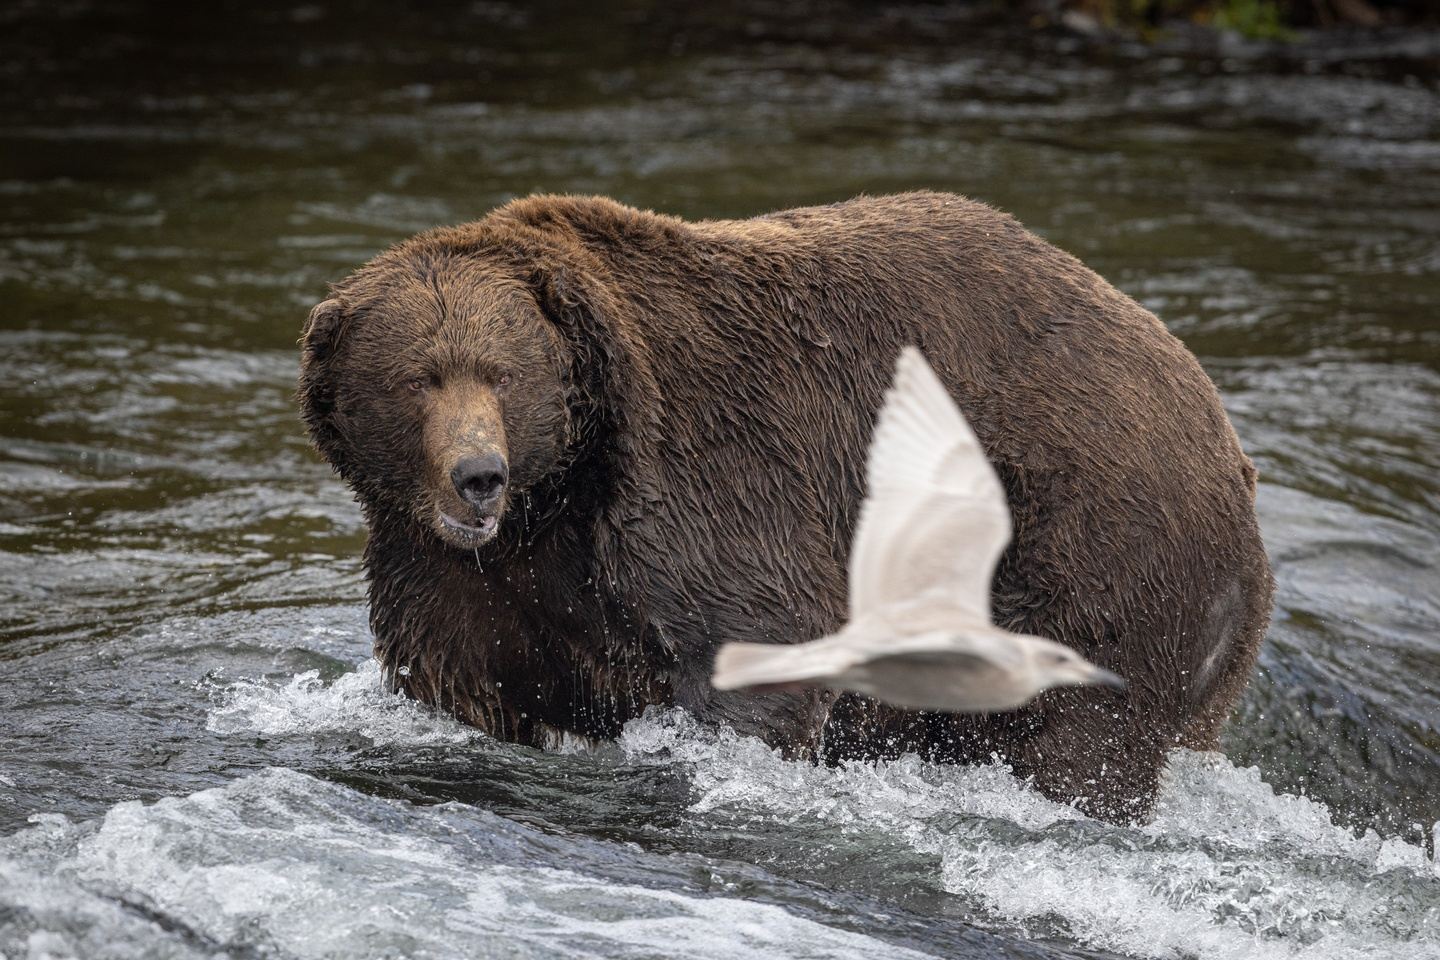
[178, 184]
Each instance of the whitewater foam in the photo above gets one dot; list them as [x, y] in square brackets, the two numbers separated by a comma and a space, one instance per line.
[1227, 868]
[355, 703]
[283, 863]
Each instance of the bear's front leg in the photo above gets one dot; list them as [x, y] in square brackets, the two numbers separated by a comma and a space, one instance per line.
[788, 720]
[1096, 750]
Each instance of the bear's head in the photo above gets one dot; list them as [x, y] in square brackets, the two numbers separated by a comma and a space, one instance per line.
[447, 381]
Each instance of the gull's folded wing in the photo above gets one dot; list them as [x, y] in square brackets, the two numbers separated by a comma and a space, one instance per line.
[935, 514]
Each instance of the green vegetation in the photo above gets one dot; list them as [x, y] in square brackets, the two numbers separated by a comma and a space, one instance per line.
[1257, 19]
[1260, 19]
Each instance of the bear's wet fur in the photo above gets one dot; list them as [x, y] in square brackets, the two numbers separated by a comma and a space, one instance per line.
[686, 408]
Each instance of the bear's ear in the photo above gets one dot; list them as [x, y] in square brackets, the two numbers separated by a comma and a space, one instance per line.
[319, 342]
[321, 333]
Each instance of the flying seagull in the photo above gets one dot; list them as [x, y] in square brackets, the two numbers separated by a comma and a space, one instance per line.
[932, 529]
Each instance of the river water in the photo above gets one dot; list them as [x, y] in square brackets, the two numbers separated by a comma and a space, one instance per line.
[196, 758]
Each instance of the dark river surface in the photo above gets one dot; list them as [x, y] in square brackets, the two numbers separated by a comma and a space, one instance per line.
[196, 758]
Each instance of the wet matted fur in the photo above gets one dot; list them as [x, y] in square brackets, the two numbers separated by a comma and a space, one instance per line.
[685, 409]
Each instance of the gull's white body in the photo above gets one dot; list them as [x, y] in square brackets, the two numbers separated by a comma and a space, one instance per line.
[933, 527]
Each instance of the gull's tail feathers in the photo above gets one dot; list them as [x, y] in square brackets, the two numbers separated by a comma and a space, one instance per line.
[739, 665]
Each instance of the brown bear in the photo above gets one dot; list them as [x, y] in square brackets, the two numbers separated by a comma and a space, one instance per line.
[592, 443]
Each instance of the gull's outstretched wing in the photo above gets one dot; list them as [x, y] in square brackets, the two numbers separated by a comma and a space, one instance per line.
[830, 659]
[935, 515]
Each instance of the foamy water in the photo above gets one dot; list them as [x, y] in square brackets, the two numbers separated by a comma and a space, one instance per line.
[286, 863]
[282, 862]
[1227, 867]
[355, 703]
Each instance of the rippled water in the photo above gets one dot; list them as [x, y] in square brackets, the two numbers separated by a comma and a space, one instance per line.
[195, 755]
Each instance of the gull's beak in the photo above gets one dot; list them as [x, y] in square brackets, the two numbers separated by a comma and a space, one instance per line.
[1105, 678]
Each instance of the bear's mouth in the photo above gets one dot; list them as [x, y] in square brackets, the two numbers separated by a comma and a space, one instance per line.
[468, 534]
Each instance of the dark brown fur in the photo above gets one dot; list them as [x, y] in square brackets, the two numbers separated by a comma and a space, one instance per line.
[686, 427]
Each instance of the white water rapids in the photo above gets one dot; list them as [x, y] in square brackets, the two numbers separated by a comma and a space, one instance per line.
[281, 862]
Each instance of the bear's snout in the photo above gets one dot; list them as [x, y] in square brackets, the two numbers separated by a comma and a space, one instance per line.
[467, 468]
[480, 480]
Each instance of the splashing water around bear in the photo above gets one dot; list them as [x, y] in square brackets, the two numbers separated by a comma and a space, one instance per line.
[1227, 868]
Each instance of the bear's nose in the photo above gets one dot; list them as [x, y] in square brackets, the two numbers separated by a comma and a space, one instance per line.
[479, 480]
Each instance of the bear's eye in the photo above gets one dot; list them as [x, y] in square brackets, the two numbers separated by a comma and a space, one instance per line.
[503, 381]
[416, 384]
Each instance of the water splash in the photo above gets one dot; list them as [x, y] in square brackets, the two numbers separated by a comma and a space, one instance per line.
[356, 703]
[282, 863]
[1227, 867]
